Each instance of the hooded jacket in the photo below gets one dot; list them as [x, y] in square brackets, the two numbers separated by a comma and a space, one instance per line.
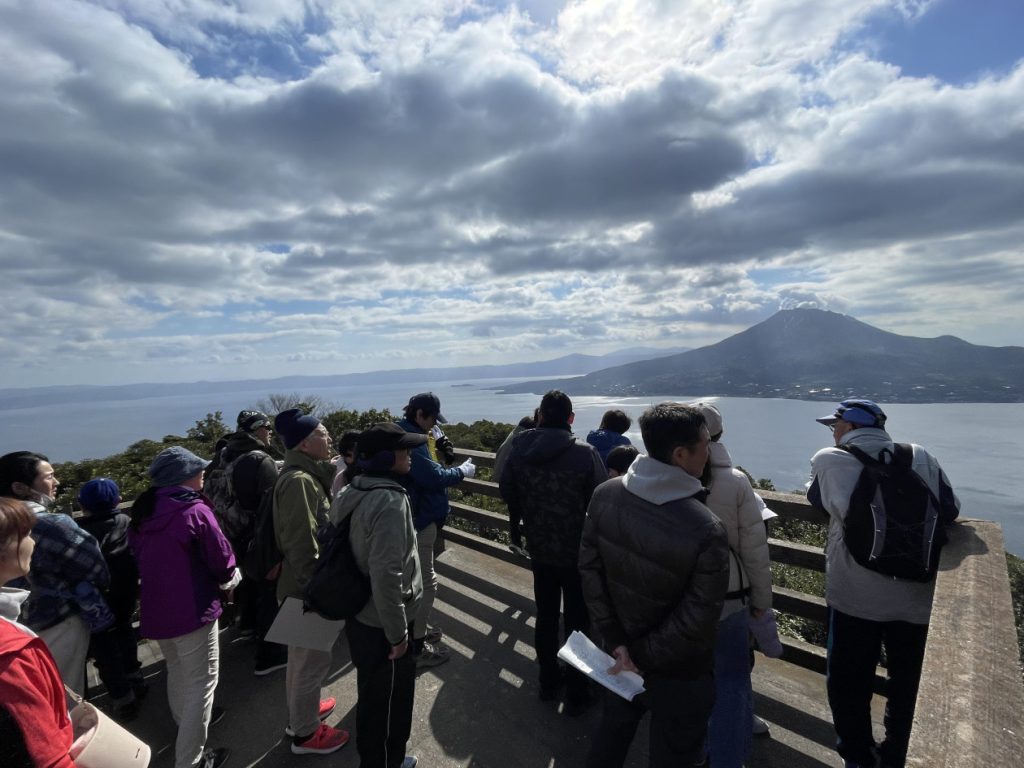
[428, 482]
[850, 587]
[31, 693]
[183, 558]
[734, 502]
[654, 565]
[604, 440]
[110, 529]
[383, 541]
[547, 483]
[301, 503]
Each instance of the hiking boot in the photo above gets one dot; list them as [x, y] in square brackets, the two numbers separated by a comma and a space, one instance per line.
[432, 656]
[323, 741]
[213, 758]
[409, 762]
[760, 728]
[434, 635]
[326, 707]
[126, 709]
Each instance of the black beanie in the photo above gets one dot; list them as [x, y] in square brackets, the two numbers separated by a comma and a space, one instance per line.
[294, 426]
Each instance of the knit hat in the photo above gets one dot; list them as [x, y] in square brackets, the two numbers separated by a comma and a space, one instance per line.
[712, 417]
[294, 426]
[175, 465]
[250, 421]
[99, 495]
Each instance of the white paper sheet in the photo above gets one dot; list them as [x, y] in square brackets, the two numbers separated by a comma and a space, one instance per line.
[304, 630]
[594, 663]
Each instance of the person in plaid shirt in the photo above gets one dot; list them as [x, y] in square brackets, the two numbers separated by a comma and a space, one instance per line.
[67, 569]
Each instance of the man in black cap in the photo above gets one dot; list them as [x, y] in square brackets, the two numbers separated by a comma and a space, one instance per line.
[869, 610]
[245, 470]
[301, 503]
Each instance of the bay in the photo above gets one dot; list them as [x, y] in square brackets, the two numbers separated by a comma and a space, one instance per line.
[980, 445]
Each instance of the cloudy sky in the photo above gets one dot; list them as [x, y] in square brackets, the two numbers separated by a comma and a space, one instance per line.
[248, 188]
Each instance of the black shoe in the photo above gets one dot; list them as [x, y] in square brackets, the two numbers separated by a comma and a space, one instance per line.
[549, 691]
[213, 758]
[267, 666]
[576, 707]
[217, 714]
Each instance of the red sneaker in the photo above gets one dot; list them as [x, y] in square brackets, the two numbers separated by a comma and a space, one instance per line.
[326, 707]
[324, 741]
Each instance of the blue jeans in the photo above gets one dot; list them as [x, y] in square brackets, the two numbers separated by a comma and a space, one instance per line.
[729, 728]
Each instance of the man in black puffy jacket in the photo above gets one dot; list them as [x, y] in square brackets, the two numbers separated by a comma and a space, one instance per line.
[654, 563]
[547, 484]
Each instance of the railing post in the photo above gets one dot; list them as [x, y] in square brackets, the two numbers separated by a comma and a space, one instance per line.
[970, 705]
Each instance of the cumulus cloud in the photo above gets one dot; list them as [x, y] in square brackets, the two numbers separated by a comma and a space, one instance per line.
[197, 189]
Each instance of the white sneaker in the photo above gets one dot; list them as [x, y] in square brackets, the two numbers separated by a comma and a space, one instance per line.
[760, 728]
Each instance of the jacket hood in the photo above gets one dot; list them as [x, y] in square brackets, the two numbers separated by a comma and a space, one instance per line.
[541, 445]
[871, 440]
[171, 502]
[353, 493]
[10, 606]
[411, 426]
[659, 483]
[604, 439]
[322, 471]
[720, 455]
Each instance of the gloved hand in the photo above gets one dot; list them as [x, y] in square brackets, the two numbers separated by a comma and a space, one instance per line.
[468, 468]
[445, 447]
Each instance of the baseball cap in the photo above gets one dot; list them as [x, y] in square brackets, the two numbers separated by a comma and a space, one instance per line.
[863, 413]
[250, 421]
[427, 402]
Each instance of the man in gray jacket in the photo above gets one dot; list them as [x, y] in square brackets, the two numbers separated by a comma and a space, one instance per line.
[654, 562]
[384, 546]
[868, 610]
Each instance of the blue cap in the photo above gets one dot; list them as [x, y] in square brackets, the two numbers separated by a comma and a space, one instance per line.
[175, 465]
[863, 413]
[99, 495]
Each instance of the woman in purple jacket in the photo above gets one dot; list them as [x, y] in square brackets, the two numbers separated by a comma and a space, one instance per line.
[185, 563]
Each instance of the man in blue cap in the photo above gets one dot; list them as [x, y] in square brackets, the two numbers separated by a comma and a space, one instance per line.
[869, 609]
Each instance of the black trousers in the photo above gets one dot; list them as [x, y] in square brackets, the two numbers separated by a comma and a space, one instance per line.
[115, 651]
[265, 611]
[679, 722]
[854, 649]
[558, 588]
[386, 690]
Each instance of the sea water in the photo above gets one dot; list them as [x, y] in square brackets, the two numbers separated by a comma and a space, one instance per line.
[980, 445]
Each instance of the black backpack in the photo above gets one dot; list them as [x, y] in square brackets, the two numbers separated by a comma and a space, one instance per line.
[263, 559]
[337, 589]
[894, 523]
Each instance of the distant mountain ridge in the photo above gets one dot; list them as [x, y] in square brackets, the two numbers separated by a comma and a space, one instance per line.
[812, 354]
[568, 365]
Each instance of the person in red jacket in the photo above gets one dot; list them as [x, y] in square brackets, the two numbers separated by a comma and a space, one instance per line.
[35, 730]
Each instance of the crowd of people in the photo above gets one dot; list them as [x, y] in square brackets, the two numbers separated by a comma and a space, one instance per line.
[661, 558]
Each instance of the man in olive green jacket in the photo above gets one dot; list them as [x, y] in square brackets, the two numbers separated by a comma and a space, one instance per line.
[301, 503]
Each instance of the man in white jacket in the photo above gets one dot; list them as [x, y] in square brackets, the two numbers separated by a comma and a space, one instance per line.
[732, 499]
[868, 610]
